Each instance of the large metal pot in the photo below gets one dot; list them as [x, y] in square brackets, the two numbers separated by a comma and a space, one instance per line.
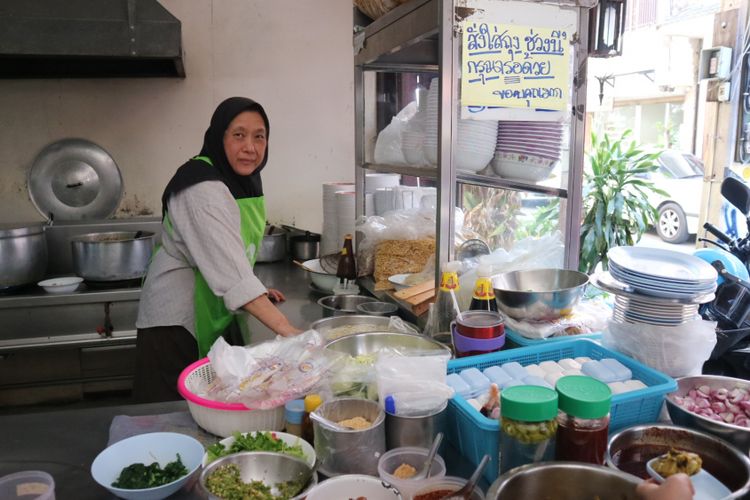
[23, 255]
[272, 247]
[113, 256]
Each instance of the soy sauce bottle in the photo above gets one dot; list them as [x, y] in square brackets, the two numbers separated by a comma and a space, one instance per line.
[347, 268]
[483, 298]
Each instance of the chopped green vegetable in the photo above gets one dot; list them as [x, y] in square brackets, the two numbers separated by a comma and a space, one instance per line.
[226, 483]
[138, 476]
[254, 441]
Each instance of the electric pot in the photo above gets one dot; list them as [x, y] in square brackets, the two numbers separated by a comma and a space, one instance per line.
[112, 256]
[23, 255]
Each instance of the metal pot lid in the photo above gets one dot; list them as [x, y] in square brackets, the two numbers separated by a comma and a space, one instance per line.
[14, 230]
[75, 179]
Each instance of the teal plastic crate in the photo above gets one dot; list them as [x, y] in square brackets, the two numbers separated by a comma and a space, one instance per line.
[473, 434]
[515, 339]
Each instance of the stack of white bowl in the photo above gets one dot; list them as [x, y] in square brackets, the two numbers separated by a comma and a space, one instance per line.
[329, 240]
[527, 150]
[475, 144]
[345, 215]
[412, 139]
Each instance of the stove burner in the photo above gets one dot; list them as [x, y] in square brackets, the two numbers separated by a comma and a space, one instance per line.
[110, 285]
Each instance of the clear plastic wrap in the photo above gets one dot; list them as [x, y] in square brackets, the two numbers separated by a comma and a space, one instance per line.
[588, 316]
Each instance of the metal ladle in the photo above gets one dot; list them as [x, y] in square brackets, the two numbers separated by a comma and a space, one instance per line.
[465, 492]
[426, 468]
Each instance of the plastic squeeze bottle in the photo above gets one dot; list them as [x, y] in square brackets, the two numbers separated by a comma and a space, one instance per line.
[443, 311]
[483, 298]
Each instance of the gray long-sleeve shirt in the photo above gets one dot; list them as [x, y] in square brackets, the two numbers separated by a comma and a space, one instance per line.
[205, 235]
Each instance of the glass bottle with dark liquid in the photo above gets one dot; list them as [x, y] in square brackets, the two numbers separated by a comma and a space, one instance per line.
[443, 310]
[483, 298]
[347, 267]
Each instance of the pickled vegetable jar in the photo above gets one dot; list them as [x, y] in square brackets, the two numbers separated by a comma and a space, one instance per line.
[583, 420]
[528, 425]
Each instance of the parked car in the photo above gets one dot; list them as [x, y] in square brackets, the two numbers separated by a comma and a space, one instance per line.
[681, 176]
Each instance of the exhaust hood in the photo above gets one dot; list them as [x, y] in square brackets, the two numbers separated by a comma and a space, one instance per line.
[89, 39]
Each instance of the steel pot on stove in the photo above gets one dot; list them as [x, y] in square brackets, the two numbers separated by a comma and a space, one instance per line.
[112, 256]
[23, 255]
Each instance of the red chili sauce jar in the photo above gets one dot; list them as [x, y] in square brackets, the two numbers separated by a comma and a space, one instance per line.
[583, 419]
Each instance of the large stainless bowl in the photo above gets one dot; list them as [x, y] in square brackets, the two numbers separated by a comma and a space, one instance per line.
[338, 326]
[735, 434]
[269, 467]
[631, 448]
[337, 305]
[563, 481]
[367, 343]
[540, 294]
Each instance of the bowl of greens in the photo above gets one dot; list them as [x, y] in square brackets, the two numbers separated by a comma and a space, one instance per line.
[148, 466]
[257, 475]
[279, 442]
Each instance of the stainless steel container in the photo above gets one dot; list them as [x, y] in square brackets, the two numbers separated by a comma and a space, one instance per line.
[539, 294]
[23, 255]
[338, 326]
[347, 451]
[112, 256]
[563, 481]
[370, 342]
[272, 247]
[630, 449]
[417, 431]
[337, 305]
[305, 246]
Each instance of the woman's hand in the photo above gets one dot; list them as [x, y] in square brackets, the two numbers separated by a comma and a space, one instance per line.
[276, 296]
[676, 487]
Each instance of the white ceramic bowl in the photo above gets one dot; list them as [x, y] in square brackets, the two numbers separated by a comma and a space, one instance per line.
[65, 284]
[399, 281]
[161, 447]
[354, 486]
[322, 280]
[289, 439]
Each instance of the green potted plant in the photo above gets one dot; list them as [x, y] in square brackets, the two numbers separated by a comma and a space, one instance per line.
[615, 198]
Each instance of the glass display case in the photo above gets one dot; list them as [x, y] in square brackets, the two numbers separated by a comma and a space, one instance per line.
[497, 173]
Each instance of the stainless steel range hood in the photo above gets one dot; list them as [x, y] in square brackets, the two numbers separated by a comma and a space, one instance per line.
[89, 39]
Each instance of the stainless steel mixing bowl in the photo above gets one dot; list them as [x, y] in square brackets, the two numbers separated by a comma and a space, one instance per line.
[337, 305]
[539, 294]
[563, 481]
[631, 448]
[737, 435]
[338, 326]
[269, 467]
[367, 343]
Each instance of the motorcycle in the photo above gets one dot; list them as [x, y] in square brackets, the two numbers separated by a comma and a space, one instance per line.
[731, 305]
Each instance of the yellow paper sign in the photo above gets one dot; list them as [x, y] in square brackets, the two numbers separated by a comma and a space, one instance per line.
[515, 66]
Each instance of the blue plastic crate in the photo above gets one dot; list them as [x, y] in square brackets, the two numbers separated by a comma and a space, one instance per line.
[515, 339]
[473, 434]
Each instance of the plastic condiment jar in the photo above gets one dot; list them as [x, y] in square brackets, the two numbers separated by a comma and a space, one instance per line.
[528, 423]
[312, 401]
[583, 420]
[294, 410]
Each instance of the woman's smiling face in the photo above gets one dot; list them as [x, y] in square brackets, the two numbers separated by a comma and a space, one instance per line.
[245, 141]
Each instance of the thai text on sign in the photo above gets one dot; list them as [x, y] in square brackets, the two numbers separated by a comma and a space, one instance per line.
[515, 66]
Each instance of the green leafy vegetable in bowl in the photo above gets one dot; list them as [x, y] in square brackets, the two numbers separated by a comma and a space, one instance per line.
[139, 476]
[254, 441]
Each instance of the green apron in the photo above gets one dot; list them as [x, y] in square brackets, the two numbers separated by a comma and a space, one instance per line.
[211, 316]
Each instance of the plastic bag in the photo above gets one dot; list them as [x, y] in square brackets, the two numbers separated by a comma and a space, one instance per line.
[388, 146]
[676, 351]
[588, 316]
[271, 373]
[416, 384]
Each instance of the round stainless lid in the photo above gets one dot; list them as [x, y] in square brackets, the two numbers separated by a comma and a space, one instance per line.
[75, 179]
[10, 230]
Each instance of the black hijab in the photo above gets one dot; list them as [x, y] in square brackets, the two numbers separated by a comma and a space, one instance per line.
[196, 171]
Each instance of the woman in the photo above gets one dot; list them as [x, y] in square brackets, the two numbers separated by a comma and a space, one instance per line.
[213, 222]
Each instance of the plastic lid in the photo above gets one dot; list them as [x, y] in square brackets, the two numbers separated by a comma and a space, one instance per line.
[583, 397]
[312, 401]
[452, 266]
[484, 270]
[528, 403]
[293, 411]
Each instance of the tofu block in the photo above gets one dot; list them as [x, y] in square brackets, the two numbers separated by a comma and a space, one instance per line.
[515, 370]
[512, 382]
[552, 378]
[473, 402]
[598, 371]
[535, 370]
[458, 384]
[569, 364]
[572, 372]
[496, 375]
[634, 385]
[534, 380]
[550, 366]
[478, 383]
[622, 372]
[582, 359]
[617, 387]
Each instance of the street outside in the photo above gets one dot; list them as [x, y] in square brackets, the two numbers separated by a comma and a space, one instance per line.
[651, 239]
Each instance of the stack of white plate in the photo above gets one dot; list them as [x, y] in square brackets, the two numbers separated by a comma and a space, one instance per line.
[662, 273]
[527, 150]
[634, 310]
[329, 239]
[475, 144]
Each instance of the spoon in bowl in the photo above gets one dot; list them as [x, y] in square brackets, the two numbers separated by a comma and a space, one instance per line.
[424, 472]
[706, 486]
[465, 492]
